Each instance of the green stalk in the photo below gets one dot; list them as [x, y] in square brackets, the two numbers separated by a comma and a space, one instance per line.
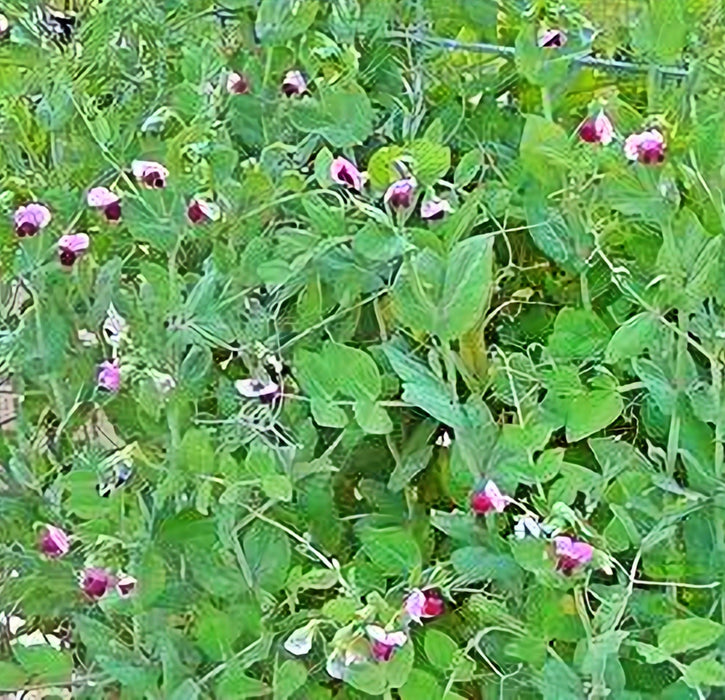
[716, 372]
[673, 440]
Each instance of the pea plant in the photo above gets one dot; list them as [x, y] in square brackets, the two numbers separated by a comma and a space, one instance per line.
[362, 348]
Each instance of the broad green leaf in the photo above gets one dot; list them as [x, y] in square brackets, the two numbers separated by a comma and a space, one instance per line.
[421, 684]
[278, 21]
[372, 418]
[196, 452]
[544, 149]
[44, 664]
[235, 684]
[289, 677]
[704, 672]
[477, 564]
[12, 677]
[632, 338]
[277, 487]
[327, 414]
[408, 467]
[268, 553]
[392, 549]
[592, 411]
[440, 649]
[367, 678]
[431, 161]
[690, 634]
[468, 167]
[578, 334]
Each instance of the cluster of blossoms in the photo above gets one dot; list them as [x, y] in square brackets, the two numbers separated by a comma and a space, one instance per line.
[94, 581]
[570, 554]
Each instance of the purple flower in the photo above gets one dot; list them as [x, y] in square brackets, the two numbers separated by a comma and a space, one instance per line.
[400, 194]
[30, 218]
[237, 84]
[384, 643]
[150, 173]
[552, 39]
[343, 172]
[294, 83]
[423, 604]
[597, 130]
[109, 375]
[54, 542]
[571, 554]
[435, 208]
[71, 246]
[647, 147]
[488, 500]
[200, 211]
[125, 585]
[95, 582]
[103, 198]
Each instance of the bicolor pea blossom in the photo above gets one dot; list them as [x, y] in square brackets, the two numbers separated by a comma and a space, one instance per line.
[150, 173]
[96, 582]
[400, 194]
[257, 389]
[647, 147]
[29, 219]
[237, 84]
[125, 585]
[114, 327]
[597, 129]
[200, 211]
[71, 246]
[384, 643]
[343, 172]
[552, 39]
[294, 83]
[299, 642]
[4, 26]
[102, 198]
[423, 604]
[433, 209]
[489, 499]
[109, 375]
[571, 553]
[54, 542]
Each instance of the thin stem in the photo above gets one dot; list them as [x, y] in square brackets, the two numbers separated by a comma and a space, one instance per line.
[673, 440]
[586, 297]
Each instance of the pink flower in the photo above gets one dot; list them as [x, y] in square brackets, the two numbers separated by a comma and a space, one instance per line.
[597, 130]
[294, 83]
[385, 643]
[96, 582]
[343, 172]
[435, 208]
[71, 246]
[421, 604]
[103, 198]
[400, 194]
[200, 211]
[647, 147]
[109, 375]
[31, 218]
[571, 553]
[125, 585]
[489, 499]
[237, 84]
[54, 542]
[552, 39]
[150, 173]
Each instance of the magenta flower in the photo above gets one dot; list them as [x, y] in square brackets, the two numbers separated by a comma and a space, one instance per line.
[647, 147]
[385, 643]
[109, 375]
[71, 246]
[597, 130]
[400, 194]
[54, 542]
[488, 500]
[435, 208]
[30, 218]
[200, 211]
[423, 604]
[552, 39]
[237, 84]
[103, 198]
[571, 554]
[95, 582]
[343, 172]
[294, 83]
[150, 173]
[125, 585]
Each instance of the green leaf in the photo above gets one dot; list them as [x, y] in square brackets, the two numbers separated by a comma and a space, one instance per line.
[288, 678]
[398, 669]
[632, 338]
[477, 564]
[431, 161]
[592, 411]
[421, 685]
[704, 672]
[196, 452]
[578, 334]
[468, 167]
[215, 632]
[679, 636]
[440, 649]
[393, 550]
[544, 149]
[12, 677]
[268, 553]
[373, 418]
[234, 684]
[381, 166]
[327, 414]
[277, 487]
[44, 664]
[408, 467]
[559, 682]
[278, 21]
[367, 678]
